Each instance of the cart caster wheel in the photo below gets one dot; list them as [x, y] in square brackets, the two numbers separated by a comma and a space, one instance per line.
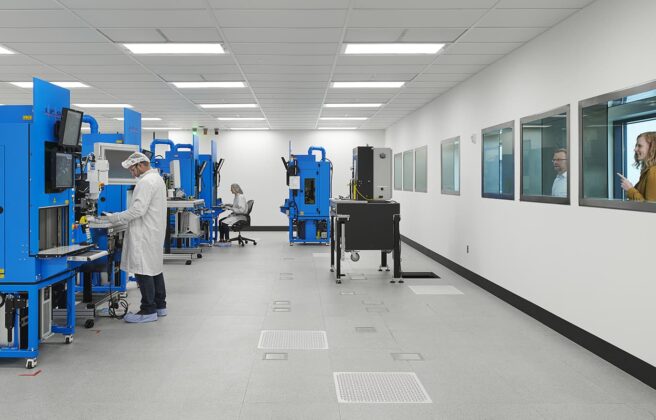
[89, 323]
[255, 243]
[401, 281]
[332, 269]
[392, 281]
[199, 255]
[30, 363]
[387, 269]
[188, 262]
[68, 339]
[338, 281]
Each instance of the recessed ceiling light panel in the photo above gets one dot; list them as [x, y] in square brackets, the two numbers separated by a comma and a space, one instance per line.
[103, 105]
[393, 48]
[200, 85]
[175, 48]
[365, 85]
[208, 106]
[352, 105]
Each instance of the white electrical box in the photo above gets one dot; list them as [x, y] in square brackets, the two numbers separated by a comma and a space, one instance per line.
[45, 312]
[294, 182]
[382, 173]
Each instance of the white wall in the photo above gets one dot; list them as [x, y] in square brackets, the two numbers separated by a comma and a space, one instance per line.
[589, 266]
[252, 160]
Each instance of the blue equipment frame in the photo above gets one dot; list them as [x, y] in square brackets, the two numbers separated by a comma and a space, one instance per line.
[308, 205]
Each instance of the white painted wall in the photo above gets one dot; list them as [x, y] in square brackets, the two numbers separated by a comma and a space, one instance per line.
[592, 267]
[252, 160]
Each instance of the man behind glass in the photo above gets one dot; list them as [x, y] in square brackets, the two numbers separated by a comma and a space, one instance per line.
[559, 187]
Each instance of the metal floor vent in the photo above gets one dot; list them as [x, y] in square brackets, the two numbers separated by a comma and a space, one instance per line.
[435, 290]
[379, 388]
[293, 340]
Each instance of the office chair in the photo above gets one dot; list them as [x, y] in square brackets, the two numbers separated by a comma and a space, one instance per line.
[240, 224]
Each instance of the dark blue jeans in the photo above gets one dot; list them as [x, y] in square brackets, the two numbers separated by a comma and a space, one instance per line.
[153, 293]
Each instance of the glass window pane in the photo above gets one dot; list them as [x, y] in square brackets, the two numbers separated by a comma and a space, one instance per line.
[451, 166]
[498, 162]
[545, 158]
[610, 128]
[398, 171]
[408, 170]
[421, 169]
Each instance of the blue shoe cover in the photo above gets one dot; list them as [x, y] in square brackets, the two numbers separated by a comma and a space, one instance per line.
[139, 319]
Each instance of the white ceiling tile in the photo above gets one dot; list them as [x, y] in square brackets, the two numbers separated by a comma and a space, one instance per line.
[291, 60]
[128, 77]
[501, 34]
[27, 70]
[424, 4]
[442, 77]
[348, 77]
[380, 69]
[279, 4]
[468, 58]
[402, 35]
[124, 69]
[49, 34]
[524, 18]
[377, 60]
[28, 4]
[297, 48]
[17, 60]
[220, 77]
[184, 69]
[195, 34]
[72, 48]
[482, 47]
[542, 4]
[276, 77]
[39, 19]
[281, 18]
[284, 35]
[84, 60]
[132, 4]
[248, 68]
[447, 18]
[147, 18]
[191, 61]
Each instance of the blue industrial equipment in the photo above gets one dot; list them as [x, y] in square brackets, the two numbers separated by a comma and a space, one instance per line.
[308, 205]
[38, 252]
[103, 186]
[208, 173]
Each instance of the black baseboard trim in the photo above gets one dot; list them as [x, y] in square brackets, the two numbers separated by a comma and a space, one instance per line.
[265, 229]
[630, 364]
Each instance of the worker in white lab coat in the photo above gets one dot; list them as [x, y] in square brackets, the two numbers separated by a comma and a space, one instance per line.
[143, 246]
[239, 211]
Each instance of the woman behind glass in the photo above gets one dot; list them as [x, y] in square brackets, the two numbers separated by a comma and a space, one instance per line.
[645, 160]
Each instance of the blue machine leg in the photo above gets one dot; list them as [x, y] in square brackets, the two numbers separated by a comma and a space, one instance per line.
[33, 327]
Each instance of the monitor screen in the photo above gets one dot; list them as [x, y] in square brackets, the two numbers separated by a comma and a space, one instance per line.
[116, 170]
[64, 170]
[70, 127]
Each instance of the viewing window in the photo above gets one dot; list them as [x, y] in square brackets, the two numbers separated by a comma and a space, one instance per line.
[451, 166]
[545, 157]
[421, 169]
[610, 127]
[398, 171]
[408, 170]
[498, 159]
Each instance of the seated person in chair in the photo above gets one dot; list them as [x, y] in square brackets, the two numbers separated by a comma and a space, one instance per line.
[239, 210]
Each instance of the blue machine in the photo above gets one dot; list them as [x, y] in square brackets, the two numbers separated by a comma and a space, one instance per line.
[38, 252]
[308, 205]
[105, 276]
[208, 171]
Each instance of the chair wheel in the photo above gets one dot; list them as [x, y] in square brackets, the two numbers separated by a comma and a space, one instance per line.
[199, 255]
[88, 323]
[188, 262]
[254, 243]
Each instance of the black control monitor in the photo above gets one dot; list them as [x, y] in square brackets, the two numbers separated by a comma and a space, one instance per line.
[63, 171]
[70, 128]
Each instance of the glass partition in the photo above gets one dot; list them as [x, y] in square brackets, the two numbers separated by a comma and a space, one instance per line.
[408, 170]
[498, 160]
[451, 166]
[545, 157]
[618, 149]
[398, 171]
[421, 169]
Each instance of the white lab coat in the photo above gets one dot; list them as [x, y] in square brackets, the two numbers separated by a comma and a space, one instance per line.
[143, 246]
[239, 210]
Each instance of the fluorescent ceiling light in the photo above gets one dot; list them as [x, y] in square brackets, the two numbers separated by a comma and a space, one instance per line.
[343, 118]
[246, 128]
[173, 48]
[338, 128]
[143, 119]
[69, 85]
[240, 119]
[352, 105]
[161, 128]
[198, 85]
[103, 105]
[395, 48]
[228, 105]
[5, 50]
[367, 84]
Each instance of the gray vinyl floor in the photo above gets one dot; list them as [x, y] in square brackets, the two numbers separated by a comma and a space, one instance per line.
[482, 359]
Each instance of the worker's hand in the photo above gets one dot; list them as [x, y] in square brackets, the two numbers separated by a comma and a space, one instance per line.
[624, 183]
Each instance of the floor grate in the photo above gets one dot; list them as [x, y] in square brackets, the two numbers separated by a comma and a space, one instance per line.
[435, 290]
[379, 388]
[293, 340]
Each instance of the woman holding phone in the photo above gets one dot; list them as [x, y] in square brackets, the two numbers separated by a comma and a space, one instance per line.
[645, 160]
